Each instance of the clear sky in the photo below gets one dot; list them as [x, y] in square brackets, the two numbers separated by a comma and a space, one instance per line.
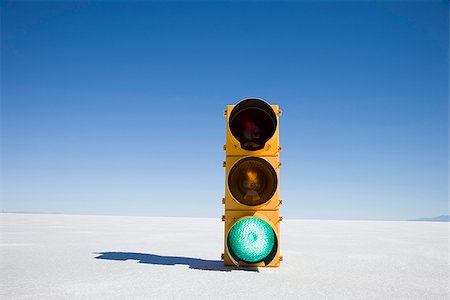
[116, 107]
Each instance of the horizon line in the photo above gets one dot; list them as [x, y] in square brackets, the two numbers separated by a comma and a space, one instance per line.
[218, 217]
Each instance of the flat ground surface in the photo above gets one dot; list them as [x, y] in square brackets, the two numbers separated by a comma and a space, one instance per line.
[110, 257]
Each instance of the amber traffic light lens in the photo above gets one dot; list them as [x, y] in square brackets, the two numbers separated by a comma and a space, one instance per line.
[252, 181]
[253, 122]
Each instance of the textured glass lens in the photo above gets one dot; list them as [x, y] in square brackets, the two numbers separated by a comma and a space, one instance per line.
[252, 181]
[251, 240]
[253, 122]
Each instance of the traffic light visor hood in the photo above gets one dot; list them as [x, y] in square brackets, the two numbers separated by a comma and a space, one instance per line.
[252, 122]
[252, 240]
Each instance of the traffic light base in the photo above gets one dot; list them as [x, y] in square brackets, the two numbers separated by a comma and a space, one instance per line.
[274, 263]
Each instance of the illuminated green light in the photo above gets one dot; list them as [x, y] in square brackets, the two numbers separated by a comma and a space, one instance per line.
[251, 240]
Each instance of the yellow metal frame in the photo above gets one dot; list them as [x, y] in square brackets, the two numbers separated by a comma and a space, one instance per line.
[271, 217]
[233, 204]
[235, 211]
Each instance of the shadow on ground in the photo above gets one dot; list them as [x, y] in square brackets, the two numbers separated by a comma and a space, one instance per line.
[193, 263]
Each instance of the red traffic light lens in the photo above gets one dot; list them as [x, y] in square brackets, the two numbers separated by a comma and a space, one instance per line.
[252, 122]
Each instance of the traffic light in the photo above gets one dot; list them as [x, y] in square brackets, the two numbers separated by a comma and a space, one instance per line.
[252, 202]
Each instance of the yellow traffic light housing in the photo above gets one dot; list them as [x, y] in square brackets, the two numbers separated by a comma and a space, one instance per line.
[252, 203]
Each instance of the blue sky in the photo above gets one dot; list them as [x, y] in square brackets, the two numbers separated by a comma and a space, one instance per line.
[117, 107]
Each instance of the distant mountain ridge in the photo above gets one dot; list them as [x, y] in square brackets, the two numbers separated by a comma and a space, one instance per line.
[443, 218]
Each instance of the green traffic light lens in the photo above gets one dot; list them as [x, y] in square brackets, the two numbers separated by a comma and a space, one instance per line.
[251, 240]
